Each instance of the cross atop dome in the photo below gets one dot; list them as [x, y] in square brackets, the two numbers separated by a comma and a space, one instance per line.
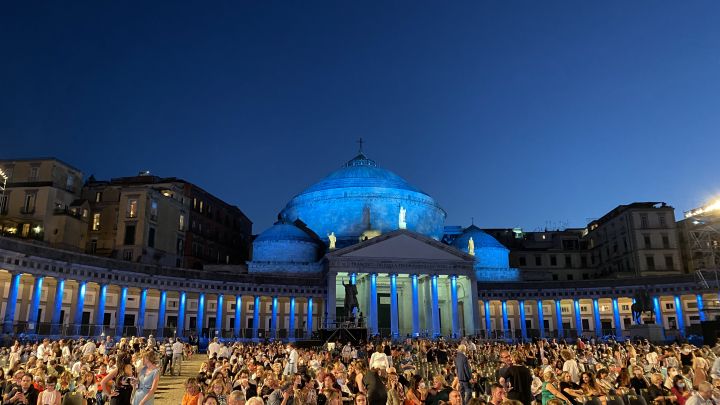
[360, 142]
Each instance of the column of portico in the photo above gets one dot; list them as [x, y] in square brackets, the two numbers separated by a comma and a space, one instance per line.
[488, 320]
[100, 310]
[394, 321]
[616, 318]
[160, 332]
[35, 305]
[372, 308]
[200, 314]
[181, 314]
[454, 307]
[8, 325]
[291, 320]
[523, 324]
[578, 317]
[559, 318]
[273, 318]
[596, 316]
[80, 304]
[415, 306]
[700, 306]
[256, 317]
[55, 322]
[219, 312]
[541, 319]
[435, 306]
[505, 321]
[237, 327]
[309, 314]
[680, 315]
[120, 314]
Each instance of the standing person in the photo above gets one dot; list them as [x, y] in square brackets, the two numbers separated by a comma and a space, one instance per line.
[147, 381]
[123, 376]
[177, 357]
[292, 360]
[167, 352]
[464, 373]
[376, 391]
[518, 377]
[378, 360]
[213, 348]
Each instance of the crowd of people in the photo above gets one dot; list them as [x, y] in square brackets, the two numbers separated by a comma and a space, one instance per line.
[88, 371]
[409, 372]
[425, 372]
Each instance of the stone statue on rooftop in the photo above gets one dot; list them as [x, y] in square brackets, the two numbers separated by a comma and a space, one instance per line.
[332, 239]
[402, 224]
[471, 247]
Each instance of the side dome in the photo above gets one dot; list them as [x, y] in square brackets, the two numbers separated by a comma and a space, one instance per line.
[361, 198]
[489, 253]
[285, 242]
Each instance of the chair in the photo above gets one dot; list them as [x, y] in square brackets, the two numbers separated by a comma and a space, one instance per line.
[633, 399]
[615, 400]
[73, 398]
[593, 401]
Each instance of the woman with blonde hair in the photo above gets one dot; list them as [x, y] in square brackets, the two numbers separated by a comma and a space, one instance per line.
[147, 382]
[549, 390]
[193, 395]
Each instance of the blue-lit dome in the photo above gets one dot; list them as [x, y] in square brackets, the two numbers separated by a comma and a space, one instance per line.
[361, 197]
[285, 242]
[489, 253]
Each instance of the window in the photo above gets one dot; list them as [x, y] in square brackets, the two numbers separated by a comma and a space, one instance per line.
[93, 247]
[643, 221]
[650, 261]
[625, 307]
[29, 203]
[565, 310]
[661, 219]
[128, 255]
[568, 261]
[129, 234]
[96, 222]
[151, 237]
[555, 277]
[201, 207]
[70, 184]
[570, 277]
[153, 210]
[33, 173]
[553, 260]
[666, 241]
[180, 245]
[583, 261]
[132, 208]
[181, 222]
[98, 196]
[646, 238]
[669, 262]
[538, 260]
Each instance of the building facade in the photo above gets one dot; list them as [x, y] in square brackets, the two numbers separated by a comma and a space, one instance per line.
[362, 228]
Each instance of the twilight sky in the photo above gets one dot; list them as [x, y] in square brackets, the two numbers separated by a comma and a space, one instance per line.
[516, 113]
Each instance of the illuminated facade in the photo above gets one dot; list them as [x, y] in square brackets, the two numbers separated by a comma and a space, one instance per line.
[366, 226]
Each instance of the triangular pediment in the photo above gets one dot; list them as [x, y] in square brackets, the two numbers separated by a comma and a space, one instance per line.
[402, 245]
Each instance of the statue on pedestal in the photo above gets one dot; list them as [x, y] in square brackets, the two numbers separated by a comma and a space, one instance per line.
[351, 301]
[402, 224]
[332, 239]
[642, 304]
[471, 247]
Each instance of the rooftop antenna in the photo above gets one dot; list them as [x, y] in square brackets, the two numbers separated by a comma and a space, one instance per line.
[360, 142]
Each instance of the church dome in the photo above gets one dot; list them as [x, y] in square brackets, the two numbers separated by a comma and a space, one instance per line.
[361, 197]
[285, 242]
[489, 253]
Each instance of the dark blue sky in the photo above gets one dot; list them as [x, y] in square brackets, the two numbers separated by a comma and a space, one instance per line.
[515, 113]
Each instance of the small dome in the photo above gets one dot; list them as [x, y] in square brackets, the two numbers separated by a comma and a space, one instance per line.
[285, 242]
[480, 238]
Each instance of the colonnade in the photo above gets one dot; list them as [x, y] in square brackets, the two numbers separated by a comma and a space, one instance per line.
[589, 317]
[31, 291]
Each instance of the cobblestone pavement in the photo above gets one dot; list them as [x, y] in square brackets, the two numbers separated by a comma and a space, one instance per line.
[171, 388]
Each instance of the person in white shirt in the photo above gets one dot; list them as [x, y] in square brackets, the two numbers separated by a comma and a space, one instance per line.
[291, 366]
[703, 396]
[44, 351]
[213, 348]
[571, 365]
[89, 348]
[177, 354]
[379, 360]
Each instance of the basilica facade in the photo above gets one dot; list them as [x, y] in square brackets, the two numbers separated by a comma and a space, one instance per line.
[362, 225]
